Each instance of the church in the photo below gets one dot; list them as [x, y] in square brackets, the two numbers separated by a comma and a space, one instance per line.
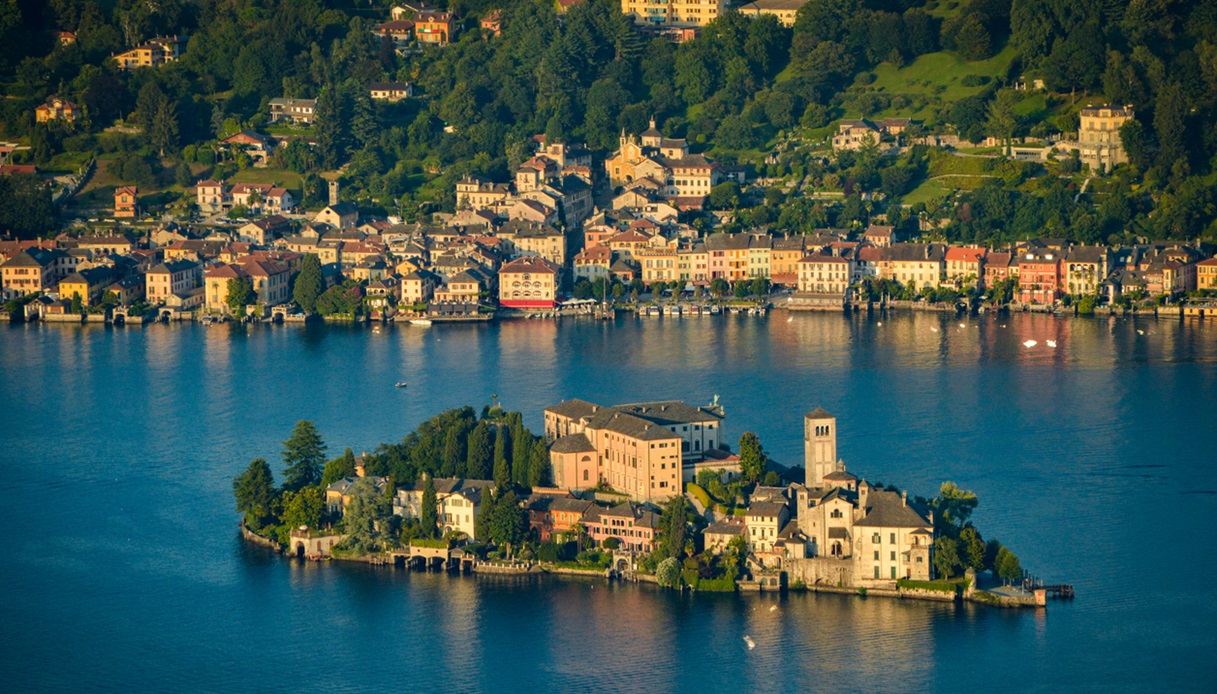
[682, 177]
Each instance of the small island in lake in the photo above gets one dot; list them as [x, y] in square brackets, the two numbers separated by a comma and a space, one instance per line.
[645, 491]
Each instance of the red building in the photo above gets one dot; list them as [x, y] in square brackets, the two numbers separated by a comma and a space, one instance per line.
[1039, 276]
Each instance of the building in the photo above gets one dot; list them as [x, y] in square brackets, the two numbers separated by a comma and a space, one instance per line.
[87, 285]
[916, 265]
[786, 11]
[1039, 276]
[126, 202]
[297, 111]
[271, 280]
[399, 30]
[683, 177]
[825, 274]
[631, 524]
[856, 535]
[639, 449]
[215, 286]
[719, 534]
[1099, 143]
[1085, 268]
[340, 492]
[163, 280]
[390, 91]
[1206, 274]
[679, 12]
[210, 196]
[254, 145]
[853, 135]
[342, 215]
[458, 503]
[55, 109]
[157, 51]
[34, 271]
[762, 522]
[434, 28]
[529, 282]
[965, 266]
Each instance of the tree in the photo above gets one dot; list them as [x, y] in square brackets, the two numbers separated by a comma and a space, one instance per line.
[673, 523]
[365, 126]
[453, 462]
[973, 548]
[953, 506]
[338, 468]
[1007, 566]
[331, 126]
[164, 127]
[667, 574]
[946, 557]
[303, 456]
[303, 508]
[254, 490]
[429, 516]
[309, 283]
[480, 453]
[240, 294]
[538, 463]
[751, 457]
[363, 515]
[1002, 119]
[502, 452]
[508, 522]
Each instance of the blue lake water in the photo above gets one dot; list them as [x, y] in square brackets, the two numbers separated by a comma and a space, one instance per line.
[1094, 461]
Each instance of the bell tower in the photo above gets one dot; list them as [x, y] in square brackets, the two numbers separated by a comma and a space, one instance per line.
[819, 446]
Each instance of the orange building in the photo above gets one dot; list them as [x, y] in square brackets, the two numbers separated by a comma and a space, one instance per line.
[126, 202]
[528, 282]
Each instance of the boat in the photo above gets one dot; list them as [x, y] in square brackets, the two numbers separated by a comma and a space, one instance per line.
[420, 321]
[713, 311]
[400, 384]
[748, 640]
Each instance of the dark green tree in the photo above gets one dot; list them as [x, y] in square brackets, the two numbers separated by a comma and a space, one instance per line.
[1007, 566]
[303, 507]
[303, 456]
[254, 490]
[309, 283]
[338, 468]
[751, 457]
[480, 453]
[429, 515]
[240, 294]
[946, 557]
[973, 548]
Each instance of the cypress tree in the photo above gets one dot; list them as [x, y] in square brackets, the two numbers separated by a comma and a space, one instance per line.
[303, 456]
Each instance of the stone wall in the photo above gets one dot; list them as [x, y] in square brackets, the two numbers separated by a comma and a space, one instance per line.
[821, 570]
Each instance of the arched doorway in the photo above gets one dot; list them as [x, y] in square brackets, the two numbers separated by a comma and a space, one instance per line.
[299, 550]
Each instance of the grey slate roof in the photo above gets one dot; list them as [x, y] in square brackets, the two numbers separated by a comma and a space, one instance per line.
[885, 509]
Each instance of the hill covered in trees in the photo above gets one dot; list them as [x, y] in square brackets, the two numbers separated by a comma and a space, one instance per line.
[740, 87]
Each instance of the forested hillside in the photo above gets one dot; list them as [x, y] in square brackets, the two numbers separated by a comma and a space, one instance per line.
[738, 89]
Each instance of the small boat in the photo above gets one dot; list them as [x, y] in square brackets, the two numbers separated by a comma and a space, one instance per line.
[400, 384]
[1030, 343]
[421, 321]
[933, 329]
[713, 310]
[1050, 343]
[748, 640]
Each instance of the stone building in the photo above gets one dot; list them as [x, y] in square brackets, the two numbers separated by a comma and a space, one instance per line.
[1099, 143]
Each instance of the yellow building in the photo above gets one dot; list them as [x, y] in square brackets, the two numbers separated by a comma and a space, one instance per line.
[1099, 143]
[697, 12]
[658, 264]
[168, 278]
[86, 284]
[914, 264]
[786, 11]
[528, 283]
[157, 51]
[55, 109]
[33, 271]
[1206, 274]
[825, 274]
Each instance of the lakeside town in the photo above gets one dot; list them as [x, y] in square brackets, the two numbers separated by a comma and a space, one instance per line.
[539, 245]
[270, 212]
[647, 491]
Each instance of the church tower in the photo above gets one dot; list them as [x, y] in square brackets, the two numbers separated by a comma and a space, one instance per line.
[819, 446]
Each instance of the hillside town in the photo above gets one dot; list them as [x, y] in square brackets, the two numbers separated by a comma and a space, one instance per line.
[541, 244]
[621, 489]
[274, 216]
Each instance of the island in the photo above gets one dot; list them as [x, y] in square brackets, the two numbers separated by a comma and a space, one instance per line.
[648, 492]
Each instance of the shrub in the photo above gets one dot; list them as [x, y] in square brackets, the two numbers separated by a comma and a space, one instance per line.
[667, 574]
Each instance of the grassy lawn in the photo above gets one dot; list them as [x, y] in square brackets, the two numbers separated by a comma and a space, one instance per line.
[279, 177]
[940, 75]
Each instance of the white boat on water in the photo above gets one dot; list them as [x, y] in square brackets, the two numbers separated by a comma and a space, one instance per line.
[400, 384]
[420, 321]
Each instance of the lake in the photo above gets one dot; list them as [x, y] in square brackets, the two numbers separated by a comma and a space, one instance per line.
[1094, 461]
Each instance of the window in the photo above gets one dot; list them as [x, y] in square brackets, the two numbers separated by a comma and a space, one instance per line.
[893, 536]
[876, 555]
[876, 571]
[893, 555]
